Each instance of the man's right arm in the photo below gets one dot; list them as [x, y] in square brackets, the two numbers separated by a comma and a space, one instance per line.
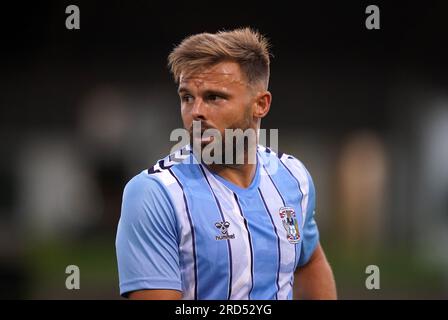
[155, 295]
[146, 243]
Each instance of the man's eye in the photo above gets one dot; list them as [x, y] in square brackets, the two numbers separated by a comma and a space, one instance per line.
[214, 97]
[187, 98]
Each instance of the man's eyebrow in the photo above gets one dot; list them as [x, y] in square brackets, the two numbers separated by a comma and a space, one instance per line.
[182, 89]
[208, 92]
[214, 92]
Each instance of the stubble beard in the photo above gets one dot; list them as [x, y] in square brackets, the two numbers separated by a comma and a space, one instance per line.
[249, 146]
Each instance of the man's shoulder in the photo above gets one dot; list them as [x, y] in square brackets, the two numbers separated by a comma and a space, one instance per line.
[160, 175]
[178, 157]
[142, 184]
[294, 170]
[287, 160]
[145, 200]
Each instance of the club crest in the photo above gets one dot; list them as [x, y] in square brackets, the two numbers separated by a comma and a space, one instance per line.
[289, 221]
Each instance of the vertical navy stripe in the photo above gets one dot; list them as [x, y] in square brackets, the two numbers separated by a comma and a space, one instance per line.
[228, 241]
[192, 237]
[278, 241]
[250, 245]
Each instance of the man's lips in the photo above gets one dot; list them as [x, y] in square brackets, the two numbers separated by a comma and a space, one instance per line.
[204, 139]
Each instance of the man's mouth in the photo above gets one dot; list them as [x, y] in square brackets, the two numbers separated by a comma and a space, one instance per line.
[204, 139]
[201, 138]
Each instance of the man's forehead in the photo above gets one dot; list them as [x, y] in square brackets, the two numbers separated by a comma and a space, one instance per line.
[216, 75]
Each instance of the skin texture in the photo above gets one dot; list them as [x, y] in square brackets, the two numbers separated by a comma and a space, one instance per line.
[315, 281]
[220, 97]
[155, 295]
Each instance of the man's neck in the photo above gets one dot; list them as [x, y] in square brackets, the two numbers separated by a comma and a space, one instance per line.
[240, 175]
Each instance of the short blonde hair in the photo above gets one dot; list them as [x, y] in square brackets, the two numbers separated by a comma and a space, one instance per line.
[244, 46]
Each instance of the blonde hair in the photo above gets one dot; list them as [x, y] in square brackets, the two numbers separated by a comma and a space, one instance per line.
[244, 46]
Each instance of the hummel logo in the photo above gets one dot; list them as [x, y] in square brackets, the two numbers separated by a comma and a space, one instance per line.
[224, 226]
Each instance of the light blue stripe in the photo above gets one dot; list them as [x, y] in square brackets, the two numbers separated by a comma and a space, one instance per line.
[264, 242]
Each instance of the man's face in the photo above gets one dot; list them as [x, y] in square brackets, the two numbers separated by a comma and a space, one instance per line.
[219, 97]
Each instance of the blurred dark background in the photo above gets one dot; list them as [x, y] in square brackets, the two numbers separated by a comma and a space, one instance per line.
[82, 111]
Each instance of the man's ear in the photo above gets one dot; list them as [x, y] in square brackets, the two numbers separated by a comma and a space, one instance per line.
[262, 104]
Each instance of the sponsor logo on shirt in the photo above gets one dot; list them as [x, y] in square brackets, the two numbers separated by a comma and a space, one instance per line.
[224, 226]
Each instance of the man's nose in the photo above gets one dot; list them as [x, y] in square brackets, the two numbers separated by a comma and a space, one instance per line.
[199, 110]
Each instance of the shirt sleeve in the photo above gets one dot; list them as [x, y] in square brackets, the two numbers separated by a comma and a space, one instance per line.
[146, 242]
[310, 232]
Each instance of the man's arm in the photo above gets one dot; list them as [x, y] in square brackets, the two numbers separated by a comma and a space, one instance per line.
[155, 295]
[146, 243]
[314, 280]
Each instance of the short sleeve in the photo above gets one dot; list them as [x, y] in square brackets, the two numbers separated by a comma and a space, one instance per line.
[310, 232]
[147, 241]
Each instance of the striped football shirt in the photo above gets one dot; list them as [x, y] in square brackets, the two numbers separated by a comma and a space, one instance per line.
[185, 228]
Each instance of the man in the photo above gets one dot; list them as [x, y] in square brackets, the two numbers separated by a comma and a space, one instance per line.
[193, 230]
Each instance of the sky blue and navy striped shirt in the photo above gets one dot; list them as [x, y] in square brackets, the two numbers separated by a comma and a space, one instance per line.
[183, 227]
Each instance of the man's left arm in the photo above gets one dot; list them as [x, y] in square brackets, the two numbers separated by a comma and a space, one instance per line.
[314, 280]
